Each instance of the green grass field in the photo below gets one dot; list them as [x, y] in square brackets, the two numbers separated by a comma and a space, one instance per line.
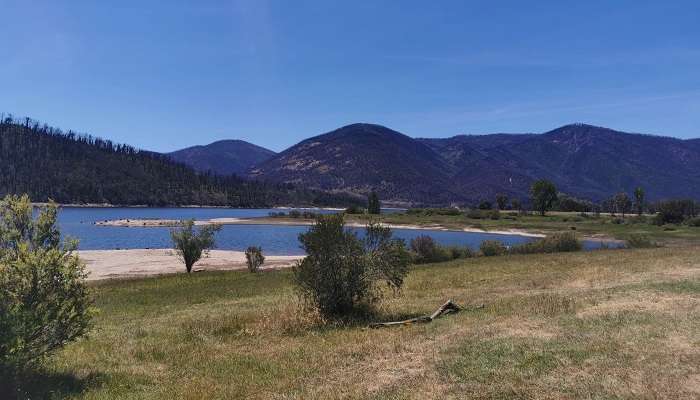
[588, 225]
[611, 324]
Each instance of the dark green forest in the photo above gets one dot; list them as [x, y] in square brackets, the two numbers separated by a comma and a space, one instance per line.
[67, 167]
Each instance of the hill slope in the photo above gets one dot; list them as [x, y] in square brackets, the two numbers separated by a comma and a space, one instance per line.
[361, 158]
[583, 160]
[47, 163]
[225, 157]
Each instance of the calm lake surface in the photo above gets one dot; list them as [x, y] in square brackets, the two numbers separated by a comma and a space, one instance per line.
[274, 239]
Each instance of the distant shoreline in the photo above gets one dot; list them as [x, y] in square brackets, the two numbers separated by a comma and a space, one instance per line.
[108, 205]
[165, 223]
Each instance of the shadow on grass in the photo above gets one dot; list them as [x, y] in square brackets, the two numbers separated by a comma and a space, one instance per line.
[42, 384]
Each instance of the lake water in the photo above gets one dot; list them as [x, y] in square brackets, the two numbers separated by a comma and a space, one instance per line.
[274, 239]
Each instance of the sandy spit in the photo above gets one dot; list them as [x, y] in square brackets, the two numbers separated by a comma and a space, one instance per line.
[109, 264]
[272, 221]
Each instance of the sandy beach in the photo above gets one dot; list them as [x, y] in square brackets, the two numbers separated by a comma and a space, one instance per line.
[109, 264]
[273, 221]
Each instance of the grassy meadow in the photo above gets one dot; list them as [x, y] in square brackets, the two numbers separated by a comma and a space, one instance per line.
[587, 224]
[610, 324]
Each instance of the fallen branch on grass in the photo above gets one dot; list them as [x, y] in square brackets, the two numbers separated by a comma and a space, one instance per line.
[448, 308]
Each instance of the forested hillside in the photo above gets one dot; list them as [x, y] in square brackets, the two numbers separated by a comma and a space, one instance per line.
[48, 163]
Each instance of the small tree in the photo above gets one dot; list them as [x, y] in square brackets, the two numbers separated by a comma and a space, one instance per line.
[373, 204]
[623, 204]
[639, 200]
[44, 301]
[254, 258]
[485, 205]
[502, 201]
[544, 194]
[190, 244]
[515, 204]
[341, 273]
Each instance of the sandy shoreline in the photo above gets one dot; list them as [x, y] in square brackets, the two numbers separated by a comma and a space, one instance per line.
[110, 264]
[271, 221]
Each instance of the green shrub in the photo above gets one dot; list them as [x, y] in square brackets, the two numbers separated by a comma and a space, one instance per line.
[44, 300]
[425, 250]
[294, 214]
[457, 252]
[557, 243]
[354, 210]
[485, 205]
[474, 214]
[254, 258]
[694, 222]
[341, 274]
[491, 248]
[191, 244]
[639, 241]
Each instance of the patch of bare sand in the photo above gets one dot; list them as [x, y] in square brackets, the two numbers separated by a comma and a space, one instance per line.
[106, 264]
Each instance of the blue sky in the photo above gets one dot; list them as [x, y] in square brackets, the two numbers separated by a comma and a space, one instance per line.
[169, 74]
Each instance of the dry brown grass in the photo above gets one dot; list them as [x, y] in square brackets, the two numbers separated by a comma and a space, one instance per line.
[609, 324]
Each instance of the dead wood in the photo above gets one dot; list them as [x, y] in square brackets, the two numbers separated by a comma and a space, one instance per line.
[448, 308]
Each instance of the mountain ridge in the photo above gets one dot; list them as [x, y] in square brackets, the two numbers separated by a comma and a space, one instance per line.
[584, 160]
[223, 157]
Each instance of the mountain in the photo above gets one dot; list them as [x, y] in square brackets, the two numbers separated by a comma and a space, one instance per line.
[360, 158]
[582, 160]
[225, 157]
[47, 163]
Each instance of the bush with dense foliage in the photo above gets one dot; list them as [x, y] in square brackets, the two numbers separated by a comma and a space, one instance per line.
[190, 243]
[491, 248]
[694, 222]
[354, 210]
[254, 258]
[556, 243]
[639, 241]
[675, 211]
[44, 301]
[425, 250]
[341, 274]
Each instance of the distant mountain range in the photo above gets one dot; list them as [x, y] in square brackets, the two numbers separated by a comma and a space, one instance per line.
[225, 157]
[582, 160]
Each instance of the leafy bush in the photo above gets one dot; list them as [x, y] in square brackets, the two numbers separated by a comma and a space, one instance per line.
[45, 302]
[639, 241]
[426, 250]
[254, 258]
[294, 214]
[341, 273]
[457, 252]
[556, 243]
[354, 210]
[674, 211]
[190, 244]
[694, 222]
[491, 248]
[485, 205]
[474, 214]
[493, 214]
[434, 211]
